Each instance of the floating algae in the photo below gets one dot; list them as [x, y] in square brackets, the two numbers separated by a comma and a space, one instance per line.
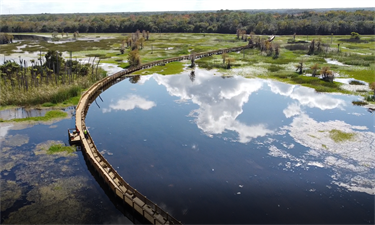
[52, 199]
[10, 193]
[16, 140]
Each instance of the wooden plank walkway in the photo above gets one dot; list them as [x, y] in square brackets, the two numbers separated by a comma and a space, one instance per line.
[149, 210]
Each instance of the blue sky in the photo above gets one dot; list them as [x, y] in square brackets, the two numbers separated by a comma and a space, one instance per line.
[81, 6]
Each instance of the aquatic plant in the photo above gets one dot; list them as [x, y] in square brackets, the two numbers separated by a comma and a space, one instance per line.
[340, 136]
[60, 148]
[356, 82]
[359, 103]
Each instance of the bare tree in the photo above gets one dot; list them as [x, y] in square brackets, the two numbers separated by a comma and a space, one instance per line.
[134, 58]
[276, 47]
[300, 67]
[192, 58]
[229, 62]
[224, 56]
[372, 87]
[314, 69]
[326, 73]
[122, 49]
[311, 47]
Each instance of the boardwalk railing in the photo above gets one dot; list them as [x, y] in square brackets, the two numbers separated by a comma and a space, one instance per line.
[149, 210]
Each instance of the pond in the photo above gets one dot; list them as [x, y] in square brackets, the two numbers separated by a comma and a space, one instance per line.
[214, 149]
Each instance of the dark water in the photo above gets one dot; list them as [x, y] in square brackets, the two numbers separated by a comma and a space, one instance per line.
[53, 189]
[237, 150]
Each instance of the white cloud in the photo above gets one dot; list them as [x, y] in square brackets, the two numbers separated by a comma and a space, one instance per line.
[130, 103]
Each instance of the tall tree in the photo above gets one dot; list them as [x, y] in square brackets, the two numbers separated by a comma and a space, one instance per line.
[134, 58]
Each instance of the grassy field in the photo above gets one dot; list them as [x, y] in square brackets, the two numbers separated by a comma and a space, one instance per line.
[357, 57]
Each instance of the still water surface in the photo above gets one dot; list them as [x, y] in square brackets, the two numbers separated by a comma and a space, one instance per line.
[210, 149]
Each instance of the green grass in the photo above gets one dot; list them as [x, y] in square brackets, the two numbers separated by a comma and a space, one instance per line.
[60, 148]
[324, 146]
[168, 69]
[54, 114]
[364, 74]
[340, 136]
[48, 104]
[274, 68]
[312, 82]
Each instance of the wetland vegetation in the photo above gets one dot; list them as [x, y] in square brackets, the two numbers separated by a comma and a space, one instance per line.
[308, 47]
[79, 62]
[52, 71]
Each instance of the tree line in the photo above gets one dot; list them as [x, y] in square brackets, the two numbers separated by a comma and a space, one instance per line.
[338, 22]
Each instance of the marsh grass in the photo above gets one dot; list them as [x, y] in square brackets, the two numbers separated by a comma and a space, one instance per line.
[316, 83]
[167, 69]
[359, 73]
[49, 94]
[53, 93]
[274, 68]
[60, 148]
[48, 104]
[360, 103]
[50, 115]
[355, 82]
[340, 136]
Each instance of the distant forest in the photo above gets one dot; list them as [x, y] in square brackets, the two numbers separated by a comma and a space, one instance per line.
[312, 22]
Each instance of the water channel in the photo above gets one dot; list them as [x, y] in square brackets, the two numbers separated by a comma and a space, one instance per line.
[213, 149]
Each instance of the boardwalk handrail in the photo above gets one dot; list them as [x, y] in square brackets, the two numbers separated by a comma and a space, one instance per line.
[130, 195]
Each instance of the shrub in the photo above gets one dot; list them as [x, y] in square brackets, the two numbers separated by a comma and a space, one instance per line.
[355, 35]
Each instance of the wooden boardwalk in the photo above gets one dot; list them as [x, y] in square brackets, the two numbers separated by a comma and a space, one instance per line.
[149, 210]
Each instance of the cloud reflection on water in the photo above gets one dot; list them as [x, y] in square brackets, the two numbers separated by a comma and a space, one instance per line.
[353, 161]
[130, 103]
[306, 96]
[4, 131]
[220, 102]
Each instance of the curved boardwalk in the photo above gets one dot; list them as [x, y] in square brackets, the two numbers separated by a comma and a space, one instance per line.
[149, 210]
